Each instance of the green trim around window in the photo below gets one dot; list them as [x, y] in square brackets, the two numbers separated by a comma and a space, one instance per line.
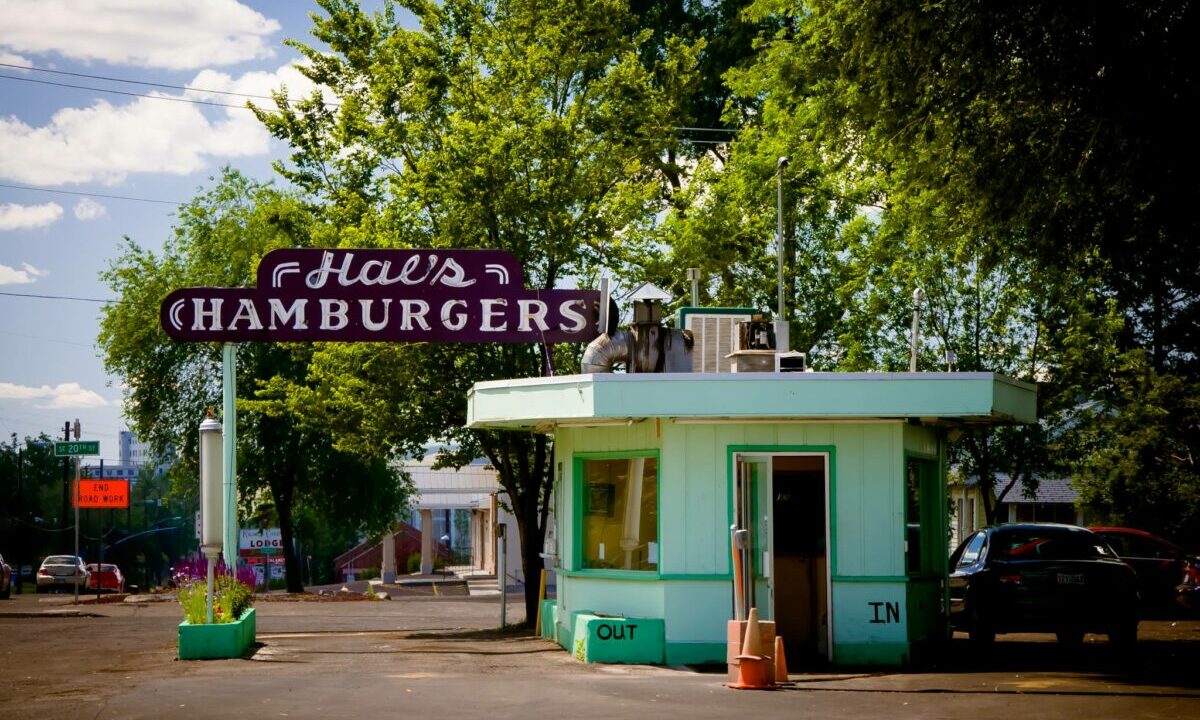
[604, 574]
[829, 450]
[870, 579]
[577, 460]
[929, 471]
[678, 577]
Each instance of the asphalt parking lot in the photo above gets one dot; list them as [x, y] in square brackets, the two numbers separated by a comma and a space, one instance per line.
[440, 657]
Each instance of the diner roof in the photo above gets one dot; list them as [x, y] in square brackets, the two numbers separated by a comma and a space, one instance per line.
[953, 398]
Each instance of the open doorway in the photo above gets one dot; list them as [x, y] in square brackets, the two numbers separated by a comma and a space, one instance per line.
[782, 500]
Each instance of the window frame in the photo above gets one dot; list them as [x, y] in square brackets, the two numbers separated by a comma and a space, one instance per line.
[578, 516]
[929, 474]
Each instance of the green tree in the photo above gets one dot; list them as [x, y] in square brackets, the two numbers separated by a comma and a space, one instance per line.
[527, 126]
[1035, 146]
[31, 488]
[219, 238]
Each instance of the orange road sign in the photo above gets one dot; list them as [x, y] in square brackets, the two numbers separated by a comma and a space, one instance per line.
[103, 494]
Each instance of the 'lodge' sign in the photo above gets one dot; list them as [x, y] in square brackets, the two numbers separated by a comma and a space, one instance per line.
[383, 296]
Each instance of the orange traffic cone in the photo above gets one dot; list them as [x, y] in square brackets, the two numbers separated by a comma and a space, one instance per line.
[753, 670]
[781, 673]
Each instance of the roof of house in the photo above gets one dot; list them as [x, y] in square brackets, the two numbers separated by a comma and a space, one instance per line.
[1049, 490]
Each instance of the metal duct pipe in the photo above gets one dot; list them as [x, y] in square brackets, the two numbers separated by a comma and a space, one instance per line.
[605, 350]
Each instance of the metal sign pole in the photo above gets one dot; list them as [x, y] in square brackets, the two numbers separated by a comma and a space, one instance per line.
[75, 494]
[502, 574]
[229, 450]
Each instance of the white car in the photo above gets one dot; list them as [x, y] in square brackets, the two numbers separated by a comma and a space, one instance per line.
[62, 572]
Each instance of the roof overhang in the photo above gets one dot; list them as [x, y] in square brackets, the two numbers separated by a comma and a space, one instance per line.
[950, 399]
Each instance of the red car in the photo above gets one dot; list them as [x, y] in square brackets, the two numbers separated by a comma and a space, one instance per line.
[5, 579]
[108, 577]
[1161, 565]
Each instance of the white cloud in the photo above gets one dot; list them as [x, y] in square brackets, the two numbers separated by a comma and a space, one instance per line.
[27, 274]
[60, 397]
[105, 142]
[88, 209]
[170, 34]
[8, 58]
[24, 217]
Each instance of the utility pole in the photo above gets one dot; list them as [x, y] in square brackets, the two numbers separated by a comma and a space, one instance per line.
[66, 476]
[20, 504]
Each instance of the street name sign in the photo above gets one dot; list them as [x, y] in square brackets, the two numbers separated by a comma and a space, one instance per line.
[103, 494]
[79, 447]
[365, 295]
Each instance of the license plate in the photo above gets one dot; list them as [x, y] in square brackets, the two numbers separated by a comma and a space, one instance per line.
[1070, 579]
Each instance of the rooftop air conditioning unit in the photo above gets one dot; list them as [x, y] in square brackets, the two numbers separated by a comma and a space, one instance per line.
[715, 331]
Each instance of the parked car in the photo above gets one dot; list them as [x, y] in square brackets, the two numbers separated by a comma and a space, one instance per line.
[1189, 590]
[106, 576]
[1160, 565]
[6, 579]
[1035, 577]
[59, 572]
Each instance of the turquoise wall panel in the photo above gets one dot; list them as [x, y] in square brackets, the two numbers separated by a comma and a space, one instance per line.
[703, 521]
[631, 598]
[849, 498]
[883, 504]
[697, 612]
[870, 613]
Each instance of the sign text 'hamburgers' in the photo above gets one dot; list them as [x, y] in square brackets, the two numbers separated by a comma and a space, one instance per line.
[383, 296]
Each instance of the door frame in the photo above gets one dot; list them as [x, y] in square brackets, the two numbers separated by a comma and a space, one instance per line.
[737, 452]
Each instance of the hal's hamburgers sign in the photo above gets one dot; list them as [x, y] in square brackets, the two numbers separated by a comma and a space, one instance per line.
[383, 296]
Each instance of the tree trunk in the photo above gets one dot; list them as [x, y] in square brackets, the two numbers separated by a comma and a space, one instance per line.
[524, 475]
[532, 537]
[282, 491]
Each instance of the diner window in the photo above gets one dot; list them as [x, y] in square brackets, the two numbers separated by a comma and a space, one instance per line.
[619, 504]
[920, 546]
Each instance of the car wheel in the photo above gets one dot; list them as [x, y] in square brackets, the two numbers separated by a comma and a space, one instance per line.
[1123, 633]
[981, 633]
[1069, 636]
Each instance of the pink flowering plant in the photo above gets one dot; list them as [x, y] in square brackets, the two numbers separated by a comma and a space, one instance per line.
[232, 595]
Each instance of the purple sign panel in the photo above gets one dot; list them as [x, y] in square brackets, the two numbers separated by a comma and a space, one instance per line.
[383, 296]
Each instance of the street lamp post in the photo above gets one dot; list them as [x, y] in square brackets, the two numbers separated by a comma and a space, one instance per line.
[211, 499]
[782, 330]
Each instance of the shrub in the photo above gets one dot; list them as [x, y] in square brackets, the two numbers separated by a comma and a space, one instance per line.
[414, 564]
[231, 595]
[368, 574]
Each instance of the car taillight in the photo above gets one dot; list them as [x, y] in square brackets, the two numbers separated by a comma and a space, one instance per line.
[1011, 579]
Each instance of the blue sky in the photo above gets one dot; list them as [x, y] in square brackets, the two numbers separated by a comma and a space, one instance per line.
[83, 141]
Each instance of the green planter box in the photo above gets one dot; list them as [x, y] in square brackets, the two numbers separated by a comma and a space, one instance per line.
[225, 640]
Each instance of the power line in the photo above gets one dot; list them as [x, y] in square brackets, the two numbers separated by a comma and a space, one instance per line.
[58, 297]
[90, 194]
[46, 339]
[123, 92]
[144, 82]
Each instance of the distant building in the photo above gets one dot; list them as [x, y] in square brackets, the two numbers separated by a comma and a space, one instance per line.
[132, 455]
[1054, 501]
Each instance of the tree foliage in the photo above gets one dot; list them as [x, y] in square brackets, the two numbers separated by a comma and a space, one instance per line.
[1026, 165]
[536, 128]
[219, 238]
